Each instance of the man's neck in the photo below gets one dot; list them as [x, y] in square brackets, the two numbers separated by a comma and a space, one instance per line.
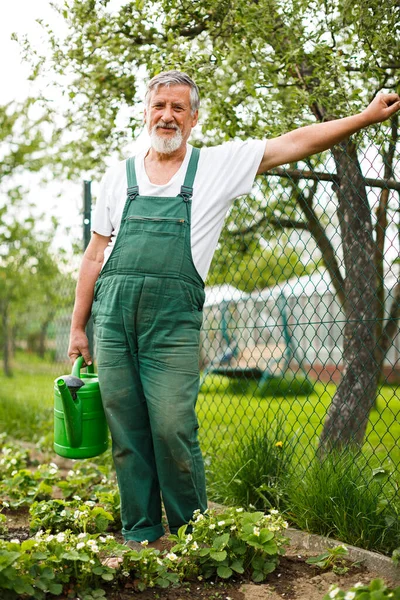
[160, 168]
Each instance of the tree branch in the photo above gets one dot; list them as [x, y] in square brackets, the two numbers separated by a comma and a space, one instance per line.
[298, 174]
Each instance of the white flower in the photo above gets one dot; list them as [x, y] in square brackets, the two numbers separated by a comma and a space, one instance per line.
[39, 534]
[80, 545]
[54, 466]
[81, 535]
[5, 504]
[52, 471]
[144, 543]
[221, 523]
[333, 593]
[104, 480]
[212, 526]
[13, 461]
[125, 573]
[256, 530]
[358, 585]
[63, 513]
[49, 538]
[78, 498]
[90, 503]
[92, 562]
[189, 537]
[200, 517]
[233, 527]
[285, 524]
[273, 511]
[350, 596]
[70, 473]
[195, 546]
[239, 510]
[60, 537]
[15, 541]
[159, 561]
[13, 473]
[102, 539]
[171, 556]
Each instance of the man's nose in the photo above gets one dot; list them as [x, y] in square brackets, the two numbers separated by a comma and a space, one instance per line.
[167, 114]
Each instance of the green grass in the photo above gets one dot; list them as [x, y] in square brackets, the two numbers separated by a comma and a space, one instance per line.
[26, 398]
[343, 497]
[255, 472]
[224, 416]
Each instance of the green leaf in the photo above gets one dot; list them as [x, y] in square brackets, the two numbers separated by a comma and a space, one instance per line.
[221, 541]
[237, 566]
[224, 572]
[55, 588]
[258, 576]
[218, 556]
[107, 576]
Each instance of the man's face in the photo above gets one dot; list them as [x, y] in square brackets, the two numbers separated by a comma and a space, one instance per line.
[169, 118]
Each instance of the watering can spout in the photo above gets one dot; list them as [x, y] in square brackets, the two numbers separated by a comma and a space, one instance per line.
[72, 410]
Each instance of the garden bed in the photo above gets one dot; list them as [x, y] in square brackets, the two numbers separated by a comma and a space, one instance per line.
[294, 579]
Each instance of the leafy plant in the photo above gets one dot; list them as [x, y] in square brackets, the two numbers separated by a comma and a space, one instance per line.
[44, 564]
[228, 542]
[54, 516]
[331, 559]
[376, 590]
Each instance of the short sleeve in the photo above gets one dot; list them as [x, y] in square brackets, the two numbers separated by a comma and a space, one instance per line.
[101, 221]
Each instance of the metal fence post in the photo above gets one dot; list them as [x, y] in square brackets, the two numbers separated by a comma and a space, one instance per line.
[87, 214]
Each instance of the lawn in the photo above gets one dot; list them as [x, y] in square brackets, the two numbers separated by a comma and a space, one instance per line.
[26, 402]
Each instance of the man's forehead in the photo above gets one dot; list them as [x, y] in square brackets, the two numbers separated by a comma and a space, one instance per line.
[174, 93]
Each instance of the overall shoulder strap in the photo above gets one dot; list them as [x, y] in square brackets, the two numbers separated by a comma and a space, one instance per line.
[187, 188]
[133, 189]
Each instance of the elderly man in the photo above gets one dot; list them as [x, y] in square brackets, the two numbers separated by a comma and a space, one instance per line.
[155, 229]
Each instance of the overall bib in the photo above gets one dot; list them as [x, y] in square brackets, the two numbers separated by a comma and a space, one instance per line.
[147, 309]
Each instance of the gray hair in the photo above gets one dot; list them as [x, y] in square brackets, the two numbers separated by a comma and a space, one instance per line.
[169, 78]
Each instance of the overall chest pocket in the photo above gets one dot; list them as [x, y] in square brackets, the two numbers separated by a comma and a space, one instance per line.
[153, 245]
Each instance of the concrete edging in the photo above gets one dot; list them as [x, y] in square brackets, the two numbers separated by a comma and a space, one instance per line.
[380, 564]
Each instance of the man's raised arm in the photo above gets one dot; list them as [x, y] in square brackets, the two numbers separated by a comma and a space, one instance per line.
[305, 141]
[88, 273]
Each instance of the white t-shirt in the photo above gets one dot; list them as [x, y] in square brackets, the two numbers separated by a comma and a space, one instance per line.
[224, 172]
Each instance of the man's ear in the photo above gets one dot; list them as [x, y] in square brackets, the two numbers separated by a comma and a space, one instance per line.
[195, 118]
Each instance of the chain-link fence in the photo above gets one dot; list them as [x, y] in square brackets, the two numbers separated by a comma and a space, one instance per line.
[301, 315]
[301, 320]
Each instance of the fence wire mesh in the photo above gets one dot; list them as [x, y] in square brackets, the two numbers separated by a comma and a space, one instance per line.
[302, 307]
[301, 314]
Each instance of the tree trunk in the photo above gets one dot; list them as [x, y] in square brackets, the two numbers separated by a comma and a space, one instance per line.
[43, 333]
[6, 341]
[348, 414]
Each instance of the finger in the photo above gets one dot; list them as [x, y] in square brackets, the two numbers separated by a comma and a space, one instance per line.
[392, 109]
[73, 356]
[86, 356]
[392, 97]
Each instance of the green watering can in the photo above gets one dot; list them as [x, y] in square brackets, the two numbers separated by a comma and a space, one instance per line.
[80, 427]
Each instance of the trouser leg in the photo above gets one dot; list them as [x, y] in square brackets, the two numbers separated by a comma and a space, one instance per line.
[169, 368]
[127, 416]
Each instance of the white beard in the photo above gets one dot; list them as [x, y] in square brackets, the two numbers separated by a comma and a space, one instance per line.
[165, 145]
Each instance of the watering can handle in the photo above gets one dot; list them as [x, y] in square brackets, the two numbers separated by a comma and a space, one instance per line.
[76, 369]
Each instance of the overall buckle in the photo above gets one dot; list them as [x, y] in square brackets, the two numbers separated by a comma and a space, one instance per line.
[133, 192]
[186, 193]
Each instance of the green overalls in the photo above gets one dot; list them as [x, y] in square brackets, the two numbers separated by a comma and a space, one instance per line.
[147, 310]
